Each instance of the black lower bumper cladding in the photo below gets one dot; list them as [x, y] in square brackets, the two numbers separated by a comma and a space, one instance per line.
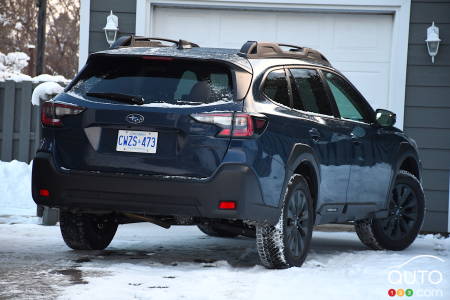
[152, 195]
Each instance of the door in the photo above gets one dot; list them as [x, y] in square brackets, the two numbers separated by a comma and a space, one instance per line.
[370, 174]
[328, 136]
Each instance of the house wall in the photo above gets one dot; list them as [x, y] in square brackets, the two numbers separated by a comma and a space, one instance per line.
[99, 10]
[427, 112]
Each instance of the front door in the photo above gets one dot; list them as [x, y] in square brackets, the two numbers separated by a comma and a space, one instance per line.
[369, 174]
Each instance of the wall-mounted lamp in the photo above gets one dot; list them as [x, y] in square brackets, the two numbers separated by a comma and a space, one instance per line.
[433, 41]
[111, 28]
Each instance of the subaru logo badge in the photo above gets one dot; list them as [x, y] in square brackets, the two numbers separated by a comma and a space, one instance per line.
[135, 118]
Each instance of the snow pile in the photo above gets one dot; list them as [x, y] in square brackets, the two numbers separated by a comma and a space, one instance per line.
[11, 65]
[47, 77]
[45, 91]
[15, 189]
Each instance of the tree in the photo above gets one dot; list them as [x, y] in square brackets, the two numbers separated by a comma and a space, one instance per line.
[18, 29]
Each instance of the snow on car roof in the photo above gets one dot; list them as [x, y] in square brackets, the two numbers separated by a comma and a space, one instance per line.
[219, 54]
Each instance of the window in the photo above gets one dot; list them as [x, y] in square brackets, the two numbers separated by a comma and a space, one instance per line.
[169, 81]
[348, 101]
[308, 91]
[276, 87]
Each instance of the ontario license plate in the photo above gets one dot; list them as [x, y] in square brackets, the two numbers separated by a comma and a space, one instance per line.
[137, 141]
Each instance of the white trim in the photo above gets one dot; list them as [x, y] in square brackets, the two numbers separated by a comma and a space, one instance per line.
[400, 9]
[83, 52]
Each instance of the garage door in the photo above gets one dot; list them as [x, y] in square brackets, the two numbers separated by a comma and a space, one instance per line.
[357, 44]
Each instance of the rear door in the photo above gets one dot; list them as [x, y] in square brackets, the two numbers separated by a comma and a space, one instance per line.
[159, 137]
[327, 135]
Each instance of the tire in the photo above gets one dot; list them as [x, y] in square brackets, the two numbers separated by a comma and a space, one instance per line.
[286, 244]
[219, 230]
[405, 217]
[87, 231]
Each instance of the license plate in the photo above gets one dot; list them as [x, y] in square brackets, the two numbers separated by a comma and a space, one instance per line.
[137, 141]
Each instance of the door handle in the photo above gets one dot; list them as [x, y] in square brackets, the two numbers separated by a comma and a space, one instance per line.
[315, 134]
[355, 139]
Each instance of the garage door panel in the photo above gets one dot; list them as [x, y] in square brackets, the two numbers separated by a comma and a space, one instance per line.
[189, 24]
[362, 37]
[241, 26]
[296, 28]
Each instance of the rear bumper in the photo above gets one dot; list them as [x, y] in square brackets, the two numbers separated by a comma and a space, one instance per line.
[153, 195]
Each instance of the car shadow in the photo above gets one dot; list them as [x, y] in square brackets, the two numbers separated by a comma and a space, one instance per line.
[206, 251]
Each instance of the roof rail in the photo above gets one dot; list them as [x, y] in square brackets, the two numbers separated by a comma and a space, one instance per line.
[254, 49]
[140, 41]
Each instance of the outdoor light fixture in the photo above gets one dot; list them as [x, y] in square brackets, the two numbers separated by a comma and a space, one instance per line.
[111, 28]
[433, 41]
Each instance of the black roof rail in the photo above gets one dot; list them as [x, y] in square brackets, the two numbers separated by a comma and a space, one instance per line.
[140, 41]
[254, 49]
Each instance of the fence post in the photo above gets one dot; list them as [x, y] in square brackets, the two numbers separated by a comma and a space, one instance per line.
[8, 120]
[25, 121]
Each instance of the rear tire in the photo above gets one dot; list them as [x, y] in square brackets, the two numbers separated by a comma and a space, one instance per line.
[87, 231]
[287, 243]
[405, 217]
[218, 230]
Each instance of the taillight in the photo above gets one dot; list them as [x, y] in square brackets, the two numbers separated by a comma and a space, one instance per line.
[52, 112]
[234, 125]
[160, 58]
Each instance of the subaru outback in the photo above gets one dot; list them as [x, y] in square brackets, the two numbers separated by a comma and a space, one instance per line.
[266, 141]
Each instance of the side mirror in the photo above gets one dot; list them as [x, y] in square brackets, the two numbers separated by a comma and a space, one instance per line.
[385, 118]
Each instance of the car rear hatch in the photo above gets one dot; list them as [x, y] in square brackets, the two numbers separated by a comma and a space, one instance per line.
[145, 115]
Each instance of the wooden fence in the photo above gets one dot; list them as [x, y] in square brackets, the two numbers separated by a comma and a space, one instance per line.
[19, 121]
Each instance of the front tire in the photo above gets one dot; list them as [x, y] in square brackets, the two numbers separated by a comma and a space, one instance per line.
[287, 243]
[405, 217]
[87, 231]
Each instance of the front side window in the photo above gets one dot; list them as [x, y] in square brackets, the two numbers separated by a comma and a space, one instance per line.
[348, 101]
[308, 92]
[276, 87]
[155, 80]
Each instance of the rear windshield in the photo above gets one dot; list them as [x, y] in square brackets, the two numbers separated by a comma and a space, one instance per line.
[156, 80]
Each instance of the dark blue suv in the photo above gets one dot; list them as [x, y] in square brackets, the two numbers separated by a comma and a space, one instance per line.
[264, 141]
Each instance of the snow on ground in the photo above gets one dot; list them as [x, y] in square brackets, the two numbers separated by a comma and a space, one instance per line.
[16, 203]
[148, 262]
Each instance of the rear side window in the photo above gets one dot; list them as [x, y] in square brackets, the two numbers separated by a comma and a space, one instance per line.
[156, 80]
[308, 92]
[276, 87]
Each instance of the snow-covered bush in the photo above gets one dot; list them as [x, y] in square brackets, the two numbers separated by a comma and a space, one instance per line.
[11, 66]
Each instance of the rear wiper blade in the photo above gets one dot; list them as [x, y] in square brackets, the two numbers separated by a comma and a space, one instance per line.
[119, 97]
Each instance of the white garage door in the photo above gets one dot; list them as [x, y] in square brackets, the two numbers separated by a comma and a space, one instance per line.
[359, 45]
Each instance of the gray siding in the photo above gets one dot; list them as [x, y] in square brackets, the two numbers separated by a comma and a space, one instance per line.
[100, 9]
[427, 112]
